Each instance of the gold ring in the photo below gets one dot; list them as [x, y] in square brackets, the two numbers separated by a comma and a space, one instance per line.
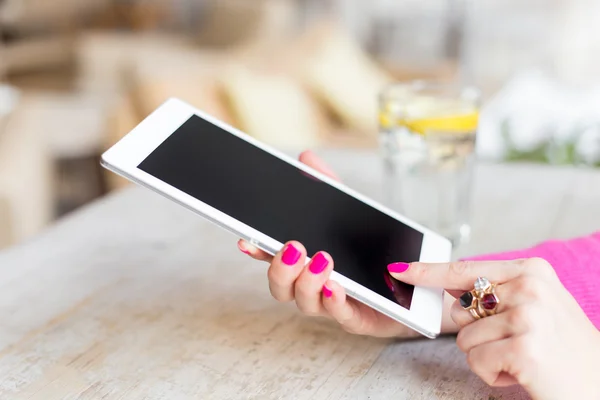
[487, 299]
[470, 302]
[475, 313]
[482, 301]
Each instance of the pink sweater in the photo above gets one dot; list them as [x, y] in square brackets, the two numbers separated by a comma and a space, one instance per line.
[577, 264]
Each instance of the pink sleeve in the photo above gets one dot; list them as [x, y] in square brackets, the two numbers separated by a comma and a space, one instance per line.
[577, 264]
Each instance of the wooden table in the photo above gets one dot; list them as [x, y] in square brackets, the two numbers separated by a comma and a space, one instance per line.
[136, 298]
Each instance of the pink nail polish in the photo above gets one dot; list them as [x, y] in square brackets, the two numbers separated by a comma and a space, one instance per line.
[290, 255]
[242, 249]
[327, 292]
[398, 267]
[318, 264]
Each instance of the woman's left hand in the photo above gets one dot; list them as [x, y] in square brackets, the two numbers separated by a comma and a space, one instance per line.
[539, 338]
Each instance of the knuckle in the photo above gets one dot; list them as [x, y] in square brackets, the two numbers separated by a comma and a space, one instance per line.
[520, 317]
[537, 262]
[349, 329]
[346, 321]
[351, 324]
[307, 310]
[274, 277]
[524, 351]
[353, 327]
[275, 294]
[348, 326]
[474, 362]
[460, 267]
[462, 341]
[312, 313]
[520, 266]
[472, 359]
[281, 293]
[531, 286]
[520, 284]
[459, 315]
[302, 291]
[540, 266]
[418, 272]
[488, 378]
[520, 346]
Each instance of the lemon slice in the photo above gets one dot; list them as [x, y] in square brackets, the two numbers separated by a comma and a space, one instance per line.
[466, 123]
[425, 114]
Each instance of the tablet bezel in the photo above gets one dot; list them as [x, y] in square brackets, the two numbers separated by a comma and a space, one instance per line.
[123, 158]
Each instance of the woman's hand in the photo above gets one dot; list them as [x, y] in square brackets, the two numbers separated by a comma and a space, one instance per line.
[539, 338]
[315, 295]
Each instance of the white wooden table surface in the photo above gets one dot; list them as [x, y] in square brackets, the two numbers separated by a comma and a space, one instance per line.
[136, 298]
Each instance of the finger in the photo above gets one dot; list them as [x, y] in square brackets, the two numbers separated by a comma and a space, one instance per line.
[285, 268]
[491, 361]
[510, 295]
[309, 285]
[253, 252]
[459, 275]
[448, 324]
[357, 318]
[339, 307]
[312, 160]
[461, 316]
[493, 328]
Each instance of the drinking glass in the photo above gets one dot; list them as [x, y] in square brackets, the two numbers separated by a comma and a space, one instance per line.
[427, 134]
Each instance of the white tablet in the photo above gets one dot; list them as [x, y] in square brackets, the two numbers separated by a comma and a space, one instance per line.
[268, 198]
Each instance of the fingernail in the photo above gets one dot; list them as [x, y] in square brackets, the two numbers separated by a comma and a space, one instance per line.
[243, 249]
[398, 267]
[327, 292]
[318, 264]
[291, 255]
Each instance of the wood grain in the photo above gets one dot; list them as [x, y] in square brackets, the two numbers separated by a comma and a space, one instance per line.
[135, 298]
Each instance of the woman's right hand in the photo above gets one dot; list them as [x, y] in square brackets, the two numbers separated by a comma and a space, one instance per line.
[290, 279]
[539, 336]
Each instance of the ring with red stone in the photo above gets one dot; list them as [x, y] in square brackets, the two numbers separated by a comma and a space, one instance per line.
[488, 300]
[482, 301]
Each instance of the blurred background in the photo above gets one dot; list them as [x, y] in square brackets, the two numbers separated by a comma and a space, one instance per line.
[75, 76]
